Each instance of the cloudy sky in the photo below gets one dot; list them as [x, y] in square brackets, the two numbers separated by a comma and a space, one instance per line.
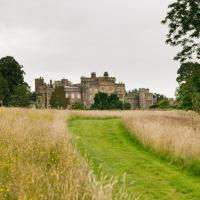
[71, 38]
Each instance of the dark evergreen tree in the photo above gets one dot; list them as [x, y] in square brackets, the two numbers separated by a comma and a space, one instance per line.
[58, 99]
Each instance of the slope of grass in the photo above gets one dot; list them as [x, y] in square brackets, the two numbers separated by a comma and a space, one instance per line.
[108, 143]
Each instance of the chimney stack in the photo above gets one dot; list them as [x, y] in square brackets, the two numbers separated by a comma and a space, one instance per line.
[93, 75]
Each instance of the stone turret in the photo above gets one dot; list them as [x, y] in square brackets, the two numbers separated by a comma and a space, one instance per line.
[39, 82]
[93, 75]
[106, 74]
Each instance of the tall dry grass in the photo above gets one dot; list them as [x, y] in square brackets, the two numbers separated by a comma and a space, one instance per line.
[37, 160]
[175, 133]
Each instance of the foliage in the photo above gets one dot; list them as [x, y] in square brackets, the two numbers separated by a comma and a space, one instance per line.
[12, 72]
[33, 97]
[183, 20]
[103, 101]
[163, 104]
[127, 106]
[78, 106]
[188, 93]
[3, 88]
[160, 97]
[58, 99]
[154, 106]
[13, 90]
[21, 96]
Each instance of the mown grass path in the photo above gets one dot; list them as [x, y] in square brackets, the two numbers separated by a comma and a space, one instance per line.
[108, 143]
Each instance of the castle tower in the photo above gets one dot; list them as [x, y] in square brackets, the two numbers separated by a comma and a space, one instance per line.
[39, 82]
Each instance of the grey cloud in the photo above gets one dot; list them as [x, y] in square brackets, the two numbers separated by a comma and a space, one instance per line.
[74, 37]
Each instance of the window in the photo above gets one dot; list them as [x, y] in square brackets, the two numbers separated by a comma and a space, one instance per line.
[72, 95]
[78, 96]
[67, 95]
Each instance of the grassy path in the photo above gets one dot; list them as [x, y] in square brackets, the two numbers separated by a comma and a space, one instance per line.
[107, 142]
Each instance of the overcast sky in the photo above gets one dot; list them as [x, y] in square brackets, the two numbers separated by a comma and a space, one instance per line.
[71, 38]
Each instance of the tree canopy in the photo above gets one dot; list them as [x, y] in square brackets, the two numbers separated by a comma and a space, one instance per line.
[3, 89]
[21, 96]
[183, 20]
[188, 92]
[13, 90]
[103, 101]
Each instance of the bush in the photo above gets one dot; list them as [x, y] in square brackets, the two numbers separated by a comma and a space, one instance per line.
[78, 106]
[164, 104]
[103, 101]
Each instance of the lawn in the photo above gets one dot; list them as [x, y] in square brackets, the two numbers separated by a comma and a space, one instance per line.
[108, 144]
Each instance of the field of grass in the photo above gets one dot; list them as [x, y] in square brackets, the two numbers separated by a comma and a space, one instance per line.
[110, 145]
[172, 135]
[39, 161]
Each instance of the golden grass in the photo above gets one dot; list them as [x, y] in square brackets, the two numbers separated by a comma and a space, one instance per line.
[37, 160]
[174, 132]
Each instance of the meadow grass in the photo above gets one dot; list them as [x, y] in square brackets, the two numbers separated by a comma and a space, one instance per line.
[38, 161]
[172, 135]
[109, 144]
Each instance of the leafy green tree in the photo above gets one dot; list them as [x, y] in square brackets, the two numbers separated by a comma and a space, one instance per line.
[127, 106]
[160, 97]
[33, 97]
[103, 101]
[13, 74]
[196, 102]
[100, 101]
[113, 101]
[183, 20]
[3, 89]
[189, 86]
[78, 106]
[163, 104]
[21, 96]
[58, 99]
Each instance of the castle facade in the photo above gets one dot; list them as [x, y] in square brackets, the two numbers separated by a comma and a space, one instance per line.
[85, 91]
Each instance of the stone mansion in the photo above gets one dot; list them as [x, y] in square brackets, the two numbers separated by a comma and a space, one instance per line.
[84, 92]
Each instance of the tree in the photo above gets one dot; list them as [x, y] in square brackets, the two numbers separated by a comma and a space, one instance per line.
[188, 93]
[100, 101]
[13, 74]
[163, 104]
[183, 20]
[33, 97]
[58, 99]
[78, 106]
[160, 97]
[3, 89]
[103, 101]
[127, 106]
[21, 96]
